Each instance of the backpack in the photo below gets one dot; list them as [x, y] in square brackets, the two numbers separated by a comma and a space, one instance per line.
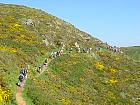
[21, 77]
[23, 71]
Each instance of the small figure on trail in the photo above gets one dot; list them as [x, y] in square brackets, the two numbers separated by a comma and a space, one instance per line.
[84, 50]
[76, 44]
[58, 54]
[78, 49]
[117, 49]
[21, 80]
[22, 77]
[46, 62]
[110, 48]
[54, 54]
[90, 50]
[29, 22]
[24, 72]
[87, 50]
[61, 52]
[39, 68]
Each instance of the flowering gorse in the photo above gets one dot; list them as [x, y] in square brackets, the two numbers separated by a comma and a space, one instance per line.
[5, 95]
[112, 82]
[99, 66]
[4, 48]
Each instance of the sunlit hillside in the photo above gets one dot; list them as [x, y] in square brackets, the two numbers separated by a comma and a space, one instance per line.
[100, 77]
[133, 52]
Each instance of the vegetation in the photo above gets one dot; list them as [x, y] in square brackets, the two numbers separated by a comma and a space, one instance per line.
[133, 52]
[28, 36]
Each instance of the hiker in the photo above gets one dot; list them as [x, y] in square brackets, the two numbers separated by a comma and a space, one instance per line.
[90, 50]
[52, 55]
[118, 49]
[46, 62]
[58, 54]
[61, 52]
[84, 50]
[29, 22]
[39, 68]
[24, 72]
[110, 48]
[115, 49]
[21, 80]
[76, 44]
[78, 49]
[22, 76]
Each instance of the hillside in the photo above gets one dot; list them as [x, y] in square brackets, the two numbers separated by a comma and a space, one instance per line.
[27, 38]
[133, 52]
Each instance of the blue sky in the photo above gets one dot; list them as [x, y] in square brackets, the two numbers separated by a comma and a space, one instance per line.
[114, 21]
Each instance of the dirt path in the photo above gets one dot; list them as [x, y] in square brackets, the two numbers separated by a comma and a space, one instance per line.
[44, 68]
[19, 99]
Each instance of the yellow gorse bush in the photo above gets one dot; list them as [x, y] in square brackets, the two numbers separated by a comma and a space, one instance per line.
[3, 36]
[3, 48]
[99, 66]
[112, 82]
[112, 70]
[5, 95]
[15, 27]
[19, 40]
[65, 101]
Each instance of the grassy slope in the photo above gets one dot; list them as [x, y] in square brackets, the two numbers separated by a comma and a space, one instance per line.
[75, 79]
[133, 52]
[102, 77]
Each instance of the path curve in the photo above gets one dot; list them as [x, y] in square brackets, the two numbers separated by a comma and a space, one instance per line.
[44, 68]
[19, 99]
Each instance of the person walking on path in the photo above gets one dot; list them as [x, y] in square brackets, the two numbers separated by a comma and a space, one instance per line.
[22, 77]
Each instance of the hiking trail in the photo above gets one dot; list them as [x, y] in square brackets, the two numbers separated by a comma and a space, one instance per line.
[44, 68]
[19, 98]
